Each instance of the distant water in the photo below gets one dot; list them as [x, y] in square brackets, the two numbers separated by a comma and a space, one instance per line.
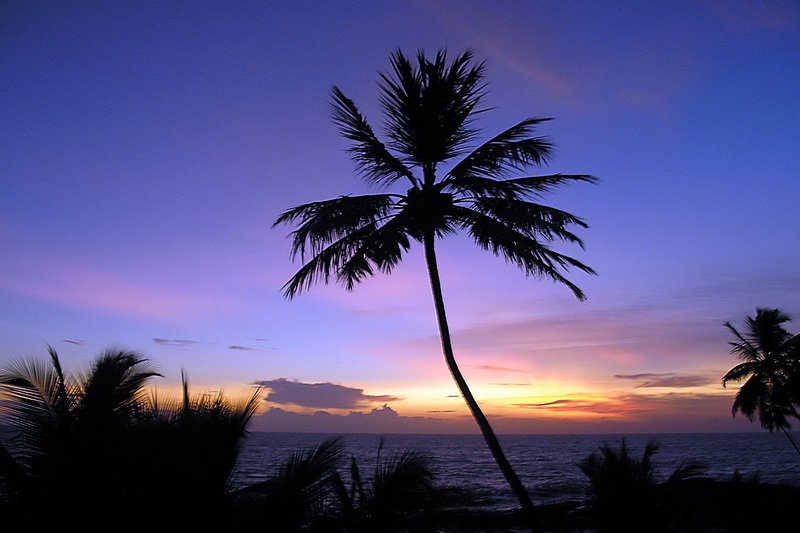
[546, 464]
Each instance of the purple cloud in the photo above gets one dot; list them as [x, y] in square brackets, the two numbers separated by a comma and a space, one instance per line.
[667, 380]
[174, 342]
[319, 395]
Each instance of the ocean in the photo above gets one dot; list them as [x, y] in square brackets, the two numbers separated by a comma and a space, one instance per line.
[546, 464]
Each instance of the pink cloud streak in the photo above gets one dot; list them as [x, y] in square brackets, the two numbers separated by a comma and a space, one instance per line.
[744, 16]
[80, 285]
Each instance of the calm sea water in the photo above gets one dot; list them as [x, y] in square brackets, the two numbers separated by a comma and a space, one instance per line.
[546, 464]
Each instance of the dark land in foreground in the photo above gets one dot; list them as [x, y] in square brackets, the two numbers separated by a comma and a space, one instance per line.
[95, 454]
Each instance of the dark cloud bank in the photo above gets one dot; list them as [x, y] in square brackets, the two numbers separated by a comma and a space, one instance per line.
[320, 395]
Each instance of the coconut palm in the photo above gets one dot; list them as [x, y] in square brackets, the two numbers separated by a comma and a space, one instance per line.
[429, 110]
[770, 370]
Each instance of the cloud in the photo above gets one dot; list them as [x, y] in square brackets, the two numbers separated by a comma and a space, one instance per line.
[501, 369]
[667, 380]
[174, 342]
[319, 395]
[70, 341]
[86, 286]
[547, 404]
[379, 420]
[625, 414]
[743, 16]
[241, 348]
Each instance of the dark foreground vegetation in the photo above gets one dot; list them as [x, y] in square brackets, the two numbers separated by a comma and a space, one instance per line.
[96, 451]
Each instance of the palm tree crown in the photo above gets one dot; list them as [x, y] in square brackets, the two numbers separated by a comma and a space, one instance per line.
[770, 357]
[429, 110]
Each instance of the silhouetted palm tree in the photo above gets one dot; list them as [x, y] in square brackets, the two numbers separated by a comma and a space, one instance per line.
[295, 498]
[429, 110]
[399, 496]
[187, 453]
[770, 369]
[74, 434]
[624, 495]
[95, 447]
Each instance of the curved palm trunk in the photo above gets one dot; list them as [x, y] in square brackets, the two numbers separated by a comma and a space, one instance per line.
[488, 434]
[788, 436]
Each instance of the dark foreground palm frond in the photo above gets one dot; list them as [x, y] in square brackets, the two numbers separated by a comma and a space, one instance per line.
[113, 389]
[624, 495]
[97, 447]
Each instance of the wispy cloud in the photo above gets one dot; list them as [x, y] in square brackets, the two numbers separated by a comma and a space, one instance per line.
[182, 343]
[745, 16]
[501, 369]
[548, 404]
[72, 341]
[667, 380]
[534, 40]
[319, 395]
[78, 284]
[242, 348]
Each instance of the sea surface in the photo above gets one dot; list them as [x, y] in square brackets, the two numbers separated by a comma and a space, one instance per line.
[546, 464]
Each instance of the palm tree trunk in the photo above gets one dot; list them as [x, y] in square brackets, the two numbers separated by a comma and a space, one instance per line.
[488, 434]
[788, 436]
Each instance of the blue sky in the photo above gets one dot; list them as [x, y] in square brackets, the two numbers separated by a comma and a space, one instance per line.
[146, 149]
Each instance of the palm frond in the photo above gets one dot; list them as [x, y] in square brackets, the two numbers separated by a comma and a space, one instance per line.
[322, 223]
[429, 107]
[113, 386]
[538, 185]
[62, 397]
[739, 372]
[297, 491]
[743, 348]
[512, 149]
[751, 396]
[471, 186]
[530, 255]
[382, 249]
[532, 219]
[34, 402]
[371, 157]
[327, 262]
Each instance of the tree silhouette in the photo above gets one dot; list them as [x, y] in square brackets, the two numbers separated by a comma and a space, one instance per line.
[624, 495]
[96, 446]
[429, 108]
[770, 357]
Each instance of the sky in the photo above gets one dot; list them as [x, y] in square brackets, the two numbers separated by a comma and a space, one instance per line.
[146, 148]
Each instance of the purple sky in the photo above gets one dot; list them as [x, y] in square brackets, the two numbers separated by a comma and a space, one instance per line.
[146, 149]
